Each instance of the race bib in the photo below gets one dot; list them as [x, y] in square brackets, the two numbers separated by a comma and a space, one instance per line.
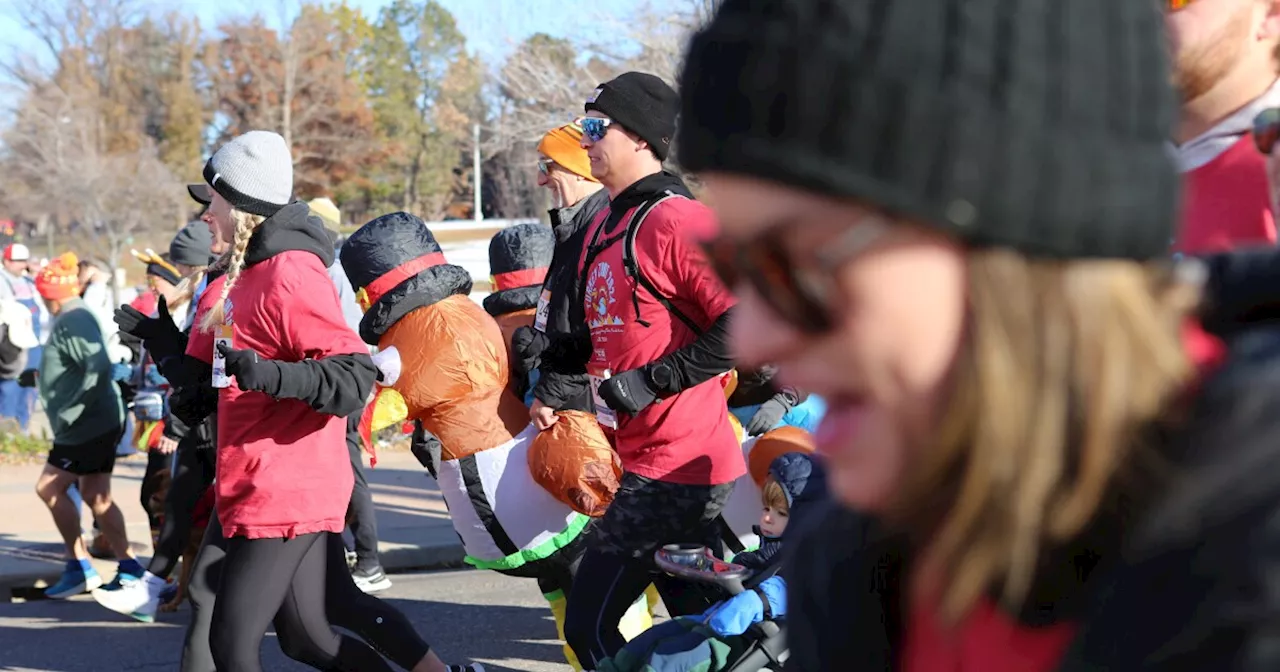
[604, 415]
[220, 377]
[544, 309]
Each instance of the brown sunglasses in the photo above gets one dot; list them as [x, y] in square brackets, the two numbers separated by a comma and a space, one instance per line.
[800, 288]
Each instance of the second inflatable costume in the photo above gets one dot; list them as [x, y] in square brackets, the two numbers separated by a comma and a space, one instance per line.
[518, 258]
[443, 362]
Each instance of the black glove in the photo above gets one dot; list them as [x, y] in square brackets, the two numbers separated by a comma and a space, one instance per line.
[27, 378]
[526, 349]
[132, 321]
[251, 371]
[628, 392]
[770, 413]
[159, 334]
[193, 404]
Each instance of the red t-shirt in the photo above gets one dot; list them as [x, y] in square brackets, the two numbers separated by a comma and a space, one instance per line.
[1227, 203]
[281, 465]
[686, 438]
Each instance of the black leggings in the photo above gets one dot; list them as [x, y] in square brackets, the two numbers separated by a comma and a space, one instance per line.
[156, 461]
[605, 587]
[280, 582]
[618, 564]
[364, 524]
[195, 470]
[384, 627]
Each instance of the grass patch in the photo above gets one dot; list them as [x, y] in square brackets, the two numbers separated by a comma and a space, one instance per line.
[17, 447]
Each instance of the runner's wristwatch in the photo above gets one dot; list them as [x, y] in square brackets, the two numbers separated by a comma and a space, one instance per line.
[661, 378]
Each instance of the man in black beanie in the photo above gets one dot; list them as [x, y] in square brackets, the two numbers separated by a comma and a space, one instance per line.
[657, 320]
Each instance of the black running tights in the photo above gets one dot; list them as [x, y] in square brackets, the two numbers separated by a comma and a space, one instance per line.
[381, 625]
[280, 582]
[195, 469]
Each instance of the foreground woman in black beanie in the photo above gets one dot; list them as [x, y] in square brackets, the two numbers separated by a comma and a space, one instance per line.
[951, 220]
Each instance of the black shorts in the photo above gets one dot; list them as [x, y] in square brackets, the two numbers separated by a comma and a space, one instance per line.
[647, 514]
[95, 456]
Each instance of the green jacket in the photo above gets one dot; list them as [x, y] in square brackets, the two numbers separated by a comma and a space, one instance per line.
[80, 398]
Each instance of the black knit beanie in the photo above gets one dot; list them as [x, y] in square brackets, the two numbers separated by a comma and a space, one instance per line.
[1038, 125]
[642, 104]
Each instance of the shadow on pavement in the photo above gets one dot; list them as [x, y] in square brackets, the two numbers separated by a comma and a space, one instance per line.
[80, 636]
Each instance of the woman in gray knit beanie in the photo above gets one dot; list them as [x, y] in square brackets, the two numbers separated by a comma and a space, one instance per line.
[951, 219]
[290, 372]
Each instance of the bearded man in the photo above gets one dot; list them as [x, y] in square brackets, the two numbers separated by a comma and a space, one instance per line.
[1225, 68]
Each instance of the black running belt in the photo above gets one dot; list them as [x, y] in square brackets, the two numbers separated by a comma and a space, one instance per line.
[475, 492]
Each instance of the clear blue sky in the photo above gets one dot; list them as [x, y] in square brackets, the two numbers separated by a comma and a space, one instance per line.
[491, 26]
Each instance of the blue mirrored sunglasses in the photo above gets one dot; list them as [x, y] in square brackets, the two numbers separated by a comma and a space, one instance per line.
[595, 127]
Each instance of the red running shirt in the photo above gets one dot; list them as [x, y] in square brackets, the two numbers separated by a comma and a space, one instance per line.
[686, 438]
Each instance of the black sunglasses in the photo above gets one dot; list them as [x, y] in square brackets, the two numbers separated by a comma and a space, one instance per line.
[801, 289]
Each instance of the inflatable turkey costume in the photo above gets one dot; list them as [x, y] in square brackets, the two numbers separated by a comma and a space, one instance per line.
[443, 361]
[519, 257]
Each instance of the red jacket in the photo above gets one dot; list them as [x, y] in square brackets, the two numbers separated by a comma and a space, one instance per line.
[283, 468]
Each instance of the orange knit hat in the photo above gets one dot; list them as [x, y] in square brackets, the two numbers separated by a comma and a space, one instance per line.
[564, 146]
[60, 279]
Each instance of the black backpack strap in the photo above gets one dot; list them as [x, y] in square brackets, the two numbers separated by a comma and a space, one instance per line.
[769, 570]
[731, 541]
[632, 266]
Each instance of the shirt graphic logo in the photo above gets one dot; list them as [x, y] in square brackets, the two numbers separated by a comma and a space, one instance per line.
[600, 297]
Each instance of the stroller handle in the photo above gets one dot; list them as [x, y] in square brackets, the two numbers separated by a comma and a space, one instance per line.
[695, 562]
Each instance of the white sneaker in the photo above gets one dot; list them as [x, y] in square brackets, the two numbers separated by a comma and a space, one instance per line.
[371, 581]
[138, 599]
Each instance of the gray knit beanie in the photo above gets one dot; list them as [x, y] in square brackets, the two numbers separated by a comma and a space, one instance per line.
[254, 172]
[192, 245]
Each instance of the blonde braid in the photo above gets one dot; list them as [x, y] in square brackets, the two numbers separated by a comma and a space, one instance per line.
[245, 226]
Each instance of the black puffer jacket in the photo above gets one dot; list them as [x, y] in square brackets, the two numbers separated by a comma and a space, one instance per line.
[1192, 581]
[562, 382]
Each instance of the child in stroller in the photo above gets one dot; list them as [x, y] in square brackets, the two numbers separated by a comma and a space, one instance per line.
[742, 631]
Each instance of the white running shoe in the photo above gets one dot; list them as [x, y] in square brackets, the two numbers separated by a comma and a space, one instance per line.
[138, 599]
[372, 580]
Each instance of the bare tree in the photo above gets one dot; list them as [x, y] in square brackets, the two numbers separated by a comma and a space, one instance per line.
[54, 162]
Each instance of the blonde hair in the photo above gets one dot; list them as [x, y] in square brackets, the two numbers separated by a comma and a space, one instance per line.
[186, 290]
[233, 261]
[1064, 372]
[772, 495]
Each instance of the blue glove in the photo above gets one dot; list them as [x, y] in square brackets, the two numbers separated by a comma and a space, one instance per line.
[153, 377]
[733, 616]
[121, 373]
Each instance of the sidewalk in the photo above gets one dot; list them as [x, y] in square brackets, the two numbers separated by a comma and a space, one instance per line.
[413, 527]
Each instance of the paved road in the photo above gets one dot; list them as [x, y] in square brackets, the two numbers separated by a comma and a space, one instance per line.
[465, 615]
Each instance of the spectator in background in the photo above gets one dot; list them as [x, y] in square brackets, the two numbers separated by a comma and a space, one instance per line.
[15, 283]
[95, 290]
[367, 572]
[1225, 70]
[16, 339]
[87, 418]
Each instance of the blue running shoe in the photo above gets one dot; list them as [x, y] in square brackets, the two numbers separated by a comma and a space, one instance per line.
[125, 576]
[75, 580]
